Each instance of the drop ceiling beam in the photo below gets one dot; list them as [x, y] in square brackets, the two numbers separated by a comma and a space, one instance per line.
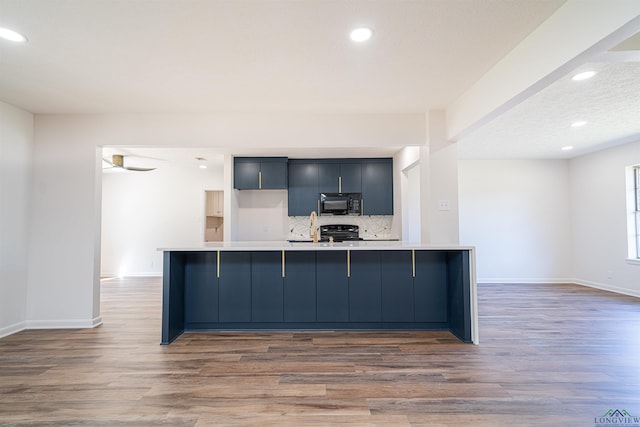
[574, 34]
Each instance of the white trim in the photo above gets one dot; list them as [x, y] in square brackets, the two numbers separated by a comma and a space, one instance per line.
[145, 274]
[601, 286]
[104, 275]
[633, 261]
[521, 280]
[12, 329]
[610, 288]
[64, 324]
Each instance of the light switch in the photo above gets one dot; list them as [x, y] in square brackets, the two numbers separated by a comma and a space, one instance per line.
[444, 205]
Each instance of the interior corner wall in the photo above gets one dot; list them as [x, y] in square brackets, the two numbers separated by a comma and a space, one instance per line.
[517, 214]
[16, 148]
[599, 221]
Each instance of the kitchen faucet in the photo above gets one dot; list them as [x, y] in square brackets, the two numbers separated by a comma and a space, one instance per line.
[313, 227]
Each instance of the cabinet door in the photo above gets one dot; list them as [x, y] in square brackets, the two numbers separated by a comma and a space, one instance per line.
[300, 286]
[332, 286]
[351, 177]
[246, 174]
[328, 177]
[273, 174]
[201, 288]
[364, 287]
[397, 286]
[235, 287]
[430, 286]
[266, 286]
[303, 188]
[377, 188]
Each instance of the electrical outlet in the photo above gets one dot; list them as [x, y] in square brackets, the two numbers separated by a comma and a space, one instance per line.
[444, 205]
[609, 274]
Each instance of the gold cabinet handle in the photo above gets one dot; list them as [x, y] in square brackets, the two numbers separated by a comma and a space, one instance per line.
[413, 262]
[218, 265]
[348, 263]
[339, 184]
[283, 263]
[260, 180]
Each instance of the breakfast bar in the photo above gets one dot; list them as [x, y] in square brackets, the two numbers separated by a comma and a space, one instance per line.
[361, 285]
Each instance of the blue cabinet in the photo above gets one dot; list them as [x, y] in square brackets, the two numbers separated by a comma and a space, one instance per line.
[364, 286]
[371, 177]
[317, 289]
[339, 176]
[266, 287]
[377, 187]
[300, 286]
[396, 273]
[430, 286]
[332, 286]
[234, 293]
[201, 289]
[260, 173]
[303, 188]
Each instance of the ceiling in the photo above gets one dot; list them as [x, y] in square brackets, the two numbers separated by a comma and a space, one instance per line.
[540, 127]
[188, 56]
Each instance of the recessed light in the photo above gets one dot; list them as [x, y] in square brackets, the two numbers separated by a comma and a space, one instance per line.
[203, 166]
[11, 35]
[567, 148]
[584, 75]
[361, 34]
[578, 124]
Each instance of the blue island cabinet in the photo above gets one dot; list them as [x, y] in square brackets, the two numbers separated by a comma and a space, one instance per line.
[332, 286]
[364, 286]
[396, 271]
[325, 288]
[266, 287]
[431, 284]
[299, 286]
[201, 289]
[234, 298]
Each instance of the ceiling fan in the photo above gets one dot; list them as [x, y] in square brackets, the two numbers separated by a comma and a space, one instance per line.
[117, 161]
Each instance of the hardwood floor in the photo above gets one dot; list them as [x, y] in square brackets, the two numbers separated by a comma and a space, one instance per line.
[549, 355]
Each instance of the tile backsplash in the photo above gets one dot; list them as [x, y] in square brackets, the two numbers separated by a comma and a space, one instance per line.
[371, 226]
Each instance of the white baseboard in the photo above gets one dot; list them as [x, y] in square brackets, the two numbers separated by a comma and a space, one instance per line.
[64, 324]
[12, 329]
[589, 284]
[610, 288]
[521, 280]
[134, 274]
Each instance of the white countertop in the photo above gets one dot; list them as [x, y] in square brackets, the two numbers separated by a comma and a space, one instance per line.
[279, 245]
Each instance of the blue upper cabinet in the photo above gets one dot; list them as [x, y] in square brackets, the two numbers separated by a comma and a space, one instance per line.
[338, 177]
[377, 187]
[303, 187]
[260, 173]
[371, 177]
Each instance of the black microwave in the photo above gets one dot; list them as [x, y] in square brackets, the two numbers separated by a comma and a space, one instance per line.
[340, 204]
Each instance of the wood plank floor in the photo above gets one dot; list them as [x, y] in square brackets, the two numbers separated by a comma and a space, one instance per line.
[550, 355]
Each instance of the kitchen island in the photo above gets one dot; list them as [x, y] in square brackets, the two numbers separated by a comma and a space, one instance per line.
[359, 285]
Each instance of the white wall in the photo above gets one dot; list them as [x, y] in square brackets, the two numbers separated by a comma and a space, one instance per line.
[517, 214]
[63, 259]
[262, 214]
[16, 147]
[65, 241]
[598, 202]
[143, 211]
